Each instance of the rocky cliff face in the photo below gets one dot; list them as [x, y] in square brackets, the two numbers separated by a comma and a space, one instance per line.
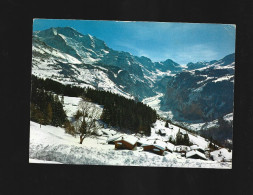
[202, 94]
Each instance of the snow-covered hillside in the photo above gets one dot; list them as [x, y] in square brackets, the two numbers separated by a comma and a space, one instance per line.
[51, 63]
[50, 143]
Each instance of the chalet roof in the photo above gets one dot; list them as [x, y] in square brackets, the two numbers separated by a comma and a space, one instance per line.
[195, 152]
[157, 143]
[196, 147]
[113, 137]
[160, 144]
[128, 138]
[144, 141]
[170, 146]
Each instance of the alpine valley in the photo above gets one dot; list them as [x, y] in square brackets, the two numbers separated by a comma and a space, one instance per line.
[198, 96]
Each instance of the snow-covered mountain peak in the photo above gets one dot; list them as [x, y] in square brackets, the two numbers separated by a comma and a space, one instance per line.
[229, 59]
[90, 36]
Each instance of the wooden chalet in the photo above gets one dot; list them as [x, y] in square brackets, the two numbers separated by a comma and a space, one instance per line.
[111, 139]
[126, 142]
[198, 148]
[158, 147]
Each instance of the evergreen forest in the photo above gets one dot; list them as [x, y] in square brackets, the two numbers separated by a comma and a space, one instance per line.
[127, 114]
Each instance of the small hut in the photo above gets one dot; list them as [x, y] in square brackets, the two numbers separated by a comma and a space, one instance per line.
[195, 155]
[126, 142]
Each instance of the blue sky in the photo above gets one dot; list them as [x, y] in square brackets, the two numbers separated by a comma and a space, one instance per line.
[181, 42]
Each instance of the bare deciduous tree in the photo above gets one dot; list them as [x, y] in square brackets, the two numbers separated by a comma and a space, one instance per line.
[85, 119]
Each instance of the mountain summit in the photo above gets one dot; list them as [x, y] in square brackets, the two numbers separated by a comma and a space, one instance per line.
[83, 47]
[133, 75]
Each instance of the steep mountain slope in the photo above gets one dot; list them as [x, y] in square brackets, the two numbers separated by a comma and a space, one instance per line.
[68, 56]
[202, 94]
[85, 54]
[83, 47]
[48, 62]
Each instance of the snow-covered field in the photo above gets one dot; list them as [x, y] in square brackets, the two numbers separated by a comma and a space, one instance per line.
[50, 144]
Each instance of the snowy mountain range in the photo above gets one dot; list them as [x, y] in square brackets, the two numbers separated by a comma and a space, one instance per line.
[202, 91]
[68, 56]
[201, 94]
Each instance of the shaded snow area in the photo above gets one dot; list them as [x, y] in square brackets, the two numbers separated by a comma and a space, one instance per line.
[50, 144]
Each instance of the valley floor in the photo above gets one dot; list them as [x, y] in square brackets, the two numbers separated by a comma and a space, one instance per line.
[154, 102]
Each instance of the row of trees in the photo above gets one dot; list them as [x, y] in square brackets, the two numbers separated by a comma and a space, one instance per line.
[118, 111]
[122, 112]
[181, 139]
[46, 108]
[56, 87]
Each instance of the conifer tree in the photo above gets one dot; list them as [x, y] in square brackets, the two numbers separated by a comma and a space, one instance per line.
[49, 113]
[167, 124]
[62, 99]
